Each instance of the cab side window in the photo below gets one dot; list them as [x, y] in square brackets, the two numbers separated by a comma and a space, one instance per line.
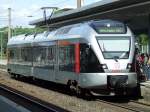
[88, 61]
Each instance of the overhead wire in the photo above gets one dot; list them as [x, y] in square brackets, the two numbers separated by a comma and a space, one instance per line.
[54, 4]
[62, 2]
[37, 10]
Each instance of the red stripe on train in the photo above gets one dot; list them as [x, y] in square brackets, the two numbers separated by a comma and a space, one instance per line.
[77, 58]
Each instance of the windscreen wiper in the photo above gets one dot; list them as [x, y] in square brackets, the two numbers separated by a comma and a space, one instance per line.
[116, 58]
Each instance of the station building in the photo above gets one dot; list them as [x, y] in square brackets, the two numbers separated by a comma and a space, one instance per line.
[135, 13]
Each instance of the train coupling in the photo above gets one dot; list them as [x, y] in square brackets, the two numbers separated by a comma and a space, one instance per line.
[117, 84]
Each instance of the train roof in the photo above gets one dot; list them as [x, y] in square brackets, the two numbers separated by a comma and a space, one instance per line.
[67, 32]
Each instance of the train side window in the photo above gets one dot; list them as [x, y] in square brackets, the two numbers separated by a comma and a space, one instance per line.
[11, 55]
[26, 55]
[14, 54]
[50, 57]
[35, 55]
[39, 57]
[88, 60]
[66, 58]
[43, 56]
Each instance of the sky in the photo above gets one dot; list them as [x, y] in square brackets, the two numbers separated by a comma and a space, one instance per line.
[24, 11]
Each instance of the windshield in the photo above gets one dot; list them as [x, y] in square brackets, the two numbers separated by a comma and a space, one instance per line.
[114, 47]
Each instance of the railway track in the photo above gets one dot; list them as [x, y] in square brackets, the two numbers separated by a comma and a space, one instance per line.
[135, 107]
[131, 105]
[29, 102]
[140, 103]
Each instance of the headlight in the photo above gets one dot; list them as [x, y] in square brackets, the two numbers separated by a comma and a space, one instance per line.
[104, 66]
[129, 66]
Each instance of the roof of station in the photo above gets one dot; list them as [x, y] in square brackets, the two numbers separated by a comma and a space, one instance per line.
[71, 13]
[129, 11]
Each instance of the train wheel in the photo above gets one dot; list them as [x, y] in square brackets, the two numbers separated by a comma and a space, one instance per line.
[70, 88]
[12, 75]
[137, 91]
[17, 76]
[80, 92]
[84, 93]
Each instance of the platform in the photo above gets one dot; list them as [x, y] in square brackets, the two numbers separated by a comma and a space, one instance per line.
[7, 105]
[145, 92]
[146, 84]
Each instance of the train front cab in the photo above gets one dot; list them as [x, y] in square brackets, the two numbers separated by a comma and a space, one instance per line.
[94, 76]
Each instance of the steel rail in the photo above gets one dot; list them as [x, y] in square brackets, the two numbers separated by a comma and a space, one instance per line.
[140, 103]
[124, 106]
[24, 97]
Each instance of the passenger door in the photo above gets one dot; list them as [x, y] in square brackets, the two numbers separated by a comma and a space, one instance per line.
[66, 62]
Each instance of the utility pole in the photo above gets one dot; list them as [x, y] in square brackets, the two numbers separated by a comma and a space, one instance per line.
[9, 23]
[79, 3]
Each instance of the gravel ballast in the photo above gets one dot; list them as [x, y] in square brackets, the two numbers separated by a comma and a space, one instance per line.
[70, 103]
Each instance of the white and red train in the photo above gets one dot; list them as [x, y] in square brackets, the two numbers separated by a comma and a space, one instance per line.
[98, 56]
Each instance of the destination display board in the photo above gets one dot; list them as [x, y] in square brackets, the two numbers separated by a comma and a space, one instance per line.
[109, 27]
[110, 30]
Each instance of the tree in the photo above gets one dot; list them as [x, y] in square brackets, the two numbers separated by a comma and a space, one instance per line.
[143, 39]
[17, 31]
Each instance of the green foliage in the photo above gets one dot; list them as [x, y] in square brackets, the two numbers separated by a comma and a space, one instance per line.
[143, 39]
[4, 38]
[20, 30]
[16, 31]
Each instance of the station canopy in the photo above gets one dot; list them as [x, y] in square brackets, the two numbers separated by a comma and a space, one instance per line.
[135, 13]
